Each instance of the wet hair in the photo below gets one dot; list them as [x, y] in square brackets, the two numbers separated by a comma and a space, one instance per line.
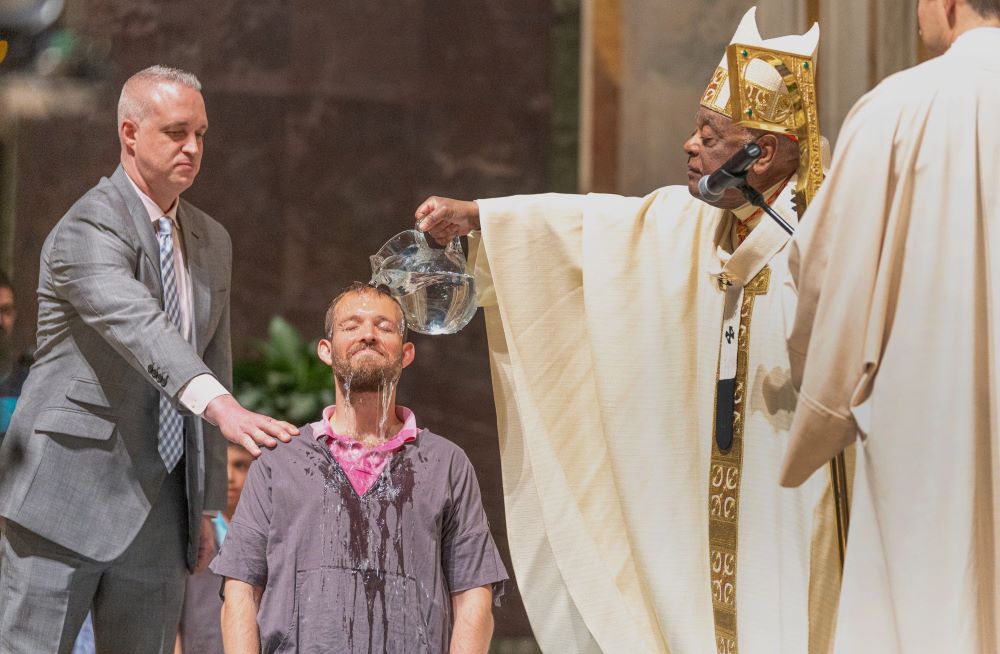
[986, 8]
[362, 288]
[134, 107]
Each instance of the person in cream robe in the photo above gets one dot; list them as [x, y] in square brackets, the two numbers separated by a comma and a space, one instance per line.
[608, 320]
[896, 339]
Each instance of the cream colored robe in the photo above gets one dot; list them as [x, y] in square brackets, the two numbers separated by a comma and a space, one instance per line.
[604, 317]
[896, 335]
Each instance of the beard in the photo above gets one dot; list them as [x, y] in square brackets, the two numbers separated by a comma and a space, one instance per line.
[366, 375]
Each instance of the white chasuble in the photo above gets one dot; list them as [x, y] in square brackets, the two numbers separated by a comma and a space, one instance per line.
[897, 336]
[629, 530]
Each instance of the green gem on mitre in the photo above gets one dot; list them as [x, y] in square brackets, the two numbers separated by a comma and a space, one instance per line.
[745, 54]
[805, 65]
[750, 113]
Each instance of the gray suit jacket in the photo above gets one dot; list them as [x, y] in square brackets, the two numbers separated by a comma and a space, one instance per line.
[79, 465]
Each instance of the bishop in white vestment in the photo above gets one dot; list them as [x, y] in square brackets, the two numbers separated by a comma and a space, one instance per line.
[642, 517]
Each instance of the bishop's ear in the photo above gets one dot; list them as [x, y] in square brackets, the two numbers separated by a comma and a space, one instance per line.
[769, 147]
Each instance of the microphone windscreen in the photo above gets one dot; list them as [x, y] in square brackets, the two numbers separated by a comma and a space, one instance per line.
[706, 194]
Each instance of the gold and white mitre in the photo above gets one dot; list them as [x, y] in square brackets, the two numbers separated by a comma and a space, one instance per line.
[762, 83]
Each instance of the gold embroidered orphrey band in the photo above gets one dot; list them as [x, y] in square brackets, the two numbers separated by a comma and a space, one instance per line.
[724, 487]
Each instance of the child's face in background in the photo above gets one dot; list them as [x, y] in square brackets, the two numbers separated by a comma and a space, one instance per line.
[238, 463]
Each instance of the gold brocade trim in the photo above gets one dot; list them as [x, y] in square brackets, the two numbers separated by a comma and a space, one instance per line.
[793, 112]
[709, 98]
[724, 479]
[772, 106]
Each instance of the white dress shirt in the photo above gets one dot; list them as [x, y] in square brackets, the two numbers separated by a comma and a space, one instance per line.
[197, 393]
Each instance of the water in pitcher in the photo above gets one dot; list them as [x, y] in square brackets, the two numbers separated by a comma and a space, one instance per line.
[434, 302]
[430, 283]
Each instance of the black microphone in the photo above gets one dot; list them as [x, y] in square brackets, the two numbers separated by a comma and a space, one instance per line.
[732, 173]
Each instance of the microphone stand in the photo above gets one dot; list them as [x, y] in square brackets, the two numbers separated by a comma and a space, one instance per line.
[754, 197]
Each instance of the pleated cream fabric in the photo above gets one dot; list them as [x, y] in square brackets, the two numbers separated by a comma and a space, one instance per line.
[604, 316]
[896, 336]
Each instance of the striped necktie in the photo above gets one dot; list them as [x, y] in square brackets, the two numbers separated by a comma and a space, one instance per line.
[171, 433]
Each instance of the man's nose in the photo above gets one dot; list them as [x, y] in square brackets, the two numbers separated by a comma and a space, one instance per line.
[191, 144]
[691, 146]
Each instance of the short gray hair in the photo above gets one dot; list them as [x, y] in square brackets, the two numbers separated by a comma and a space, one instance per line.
[135, 108]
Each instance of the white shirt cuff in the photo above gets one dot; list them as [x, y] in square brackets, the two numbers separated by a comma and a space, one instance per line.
[198, 392]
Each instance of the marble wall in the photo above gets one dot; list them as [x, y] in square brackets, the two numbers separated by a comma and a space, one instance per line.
[329, 123]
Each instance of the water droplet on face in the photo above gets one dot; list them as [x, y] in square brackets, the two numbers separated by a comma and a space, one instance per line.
[387, 391]
[346, 412]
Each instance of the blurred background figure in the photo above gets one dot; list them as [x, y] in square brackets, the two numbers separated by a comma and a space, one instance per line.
[85, 639]
[13, 364]
[199, 631]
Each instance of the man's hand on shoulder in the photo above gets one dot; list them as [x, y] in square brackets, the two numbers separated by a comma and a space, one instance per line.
[247, 428]
[445, 218]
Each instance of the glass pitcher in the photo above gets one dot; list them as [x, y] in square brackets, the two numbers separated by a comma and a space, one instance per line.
[430, 282]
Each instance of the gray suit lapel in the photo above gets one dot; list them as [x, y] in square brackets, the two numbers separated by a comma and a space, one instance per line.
[201, 290]
[147, 235]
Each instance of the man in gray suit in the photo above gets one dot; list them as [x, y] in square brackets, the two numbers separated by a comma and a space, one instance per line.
[108, 469]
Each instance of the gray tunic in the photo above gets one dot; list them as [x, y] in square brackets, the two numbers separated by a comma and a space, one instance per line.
[369, 574]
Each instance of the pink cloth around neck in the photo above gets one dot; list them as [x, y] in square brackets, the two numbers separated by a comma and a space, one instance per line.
[364, 465]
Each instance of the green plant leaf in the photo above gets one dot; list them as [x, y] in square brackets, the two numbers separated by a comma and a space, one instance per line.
[286, 380]
[284, 346]
[303, 407]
